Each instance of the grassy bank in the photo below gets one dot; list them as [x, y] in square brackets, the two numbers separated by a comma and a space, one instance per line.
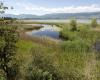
[75, 58]
[50, 61]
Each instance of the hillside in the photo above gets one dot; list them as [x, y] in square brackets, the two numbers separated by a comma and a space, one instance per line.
[84, 15]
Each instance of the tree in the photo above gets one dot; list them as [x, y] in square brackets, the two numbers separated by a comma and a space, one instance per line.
[2, 8]
[94, 23]
[73, 25]
[8, 40]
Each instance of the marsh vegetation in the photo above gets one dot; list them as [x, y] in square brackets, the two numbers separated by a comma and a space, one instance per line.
[74, 57]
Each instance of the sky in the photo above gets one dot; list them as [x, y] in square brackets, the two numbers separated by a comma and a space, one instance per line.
[41, 7]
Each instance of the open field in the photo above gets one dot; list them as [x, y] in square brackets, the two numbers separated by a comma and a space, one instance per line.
[73, 58]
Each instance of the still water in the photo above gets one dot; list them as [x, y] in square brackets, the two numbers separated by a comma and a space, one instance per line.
[62, 20]
[51, 31]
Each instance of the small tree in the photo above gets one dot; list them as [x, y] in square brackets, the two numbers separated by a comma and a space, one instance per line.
[3, 20]
[2, 8]
[94, 23]
[8, 39]
[2, 11]
[73, 24]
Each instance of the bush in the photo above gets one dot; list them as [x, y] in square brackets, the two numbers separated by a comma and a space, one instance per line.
[76, 46]
[8, 40]
[68, 35]
[2, 76]
[73, 25]
[88, 35]
[94, 23]
[42, 67]
[83, 28]
[2, 43]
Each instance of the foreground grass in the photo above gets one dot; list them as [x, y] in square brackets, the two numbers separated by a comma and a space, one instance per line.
[65, 65]
[72, 59]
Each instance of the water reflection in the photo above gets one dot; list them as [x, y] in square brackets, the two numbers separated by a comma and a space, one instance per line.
[47, 30]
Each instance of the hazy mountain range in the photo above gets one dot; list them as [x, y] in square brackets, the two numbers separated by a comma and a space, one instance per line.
[84, 15]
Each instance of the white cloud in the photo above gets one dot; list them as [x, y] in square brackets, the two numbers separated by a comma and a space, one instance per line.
[70, 9]
[29, 8]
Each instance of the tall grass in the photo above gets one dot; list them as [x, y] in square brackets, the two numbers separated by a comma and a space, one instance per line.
[45, 59]
[66, 60]
[76, 46]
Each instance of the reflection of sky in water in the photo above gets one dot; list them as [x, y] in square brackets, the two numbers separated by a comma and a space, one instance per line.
[53, 34]
[47, 30]
[63, 20]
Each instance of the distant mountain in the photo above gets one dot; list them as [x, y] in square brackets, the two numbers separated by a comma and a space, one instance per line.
[71, 15]
[84, 15]
[21, 16]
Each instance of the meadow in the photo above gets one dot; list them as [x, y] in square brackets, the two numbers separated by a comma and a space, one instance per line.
[76, 57]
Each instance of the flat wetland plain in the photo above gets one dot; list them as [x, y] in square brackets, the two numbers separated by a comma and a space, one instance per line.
[61, 20]
[41, 55]
[74, 58]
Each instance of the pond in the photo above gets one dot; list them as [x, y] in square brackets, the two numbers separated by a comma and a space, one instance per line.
[50, 31]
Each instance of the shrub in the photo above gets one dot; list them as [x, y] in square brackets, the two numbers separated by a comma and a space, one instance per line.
[88, 35]
[2, 75]
[94, 23]
[42, 67]
[76, 46]
[73, 25]
[68, 35]
[83, 28]
[9, 38]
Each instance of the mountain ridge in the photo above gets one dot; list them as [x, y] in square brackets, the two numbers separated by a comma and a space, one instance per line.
[56, 15]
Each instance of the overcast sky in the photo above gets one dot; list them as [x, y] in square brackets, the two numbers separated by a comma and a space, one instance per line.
[41, 7]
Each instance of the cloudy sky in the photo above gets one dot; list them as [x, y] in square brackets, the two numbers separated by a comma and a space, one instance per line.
[41, 7]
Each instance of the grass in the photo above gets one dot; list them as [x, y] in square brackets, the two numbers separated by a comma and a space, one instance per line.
[66, 64]
[71, 59]
[24, 48]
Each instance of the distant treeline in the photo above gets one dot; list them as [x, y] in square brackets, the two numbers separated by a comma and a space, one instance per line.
[56, 18]
[7, 18]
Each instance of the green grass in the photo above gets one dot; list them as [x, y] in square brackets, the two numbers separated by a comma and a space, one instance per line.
[68, 60]
[24, 47]
[71, 59]
[66, 65]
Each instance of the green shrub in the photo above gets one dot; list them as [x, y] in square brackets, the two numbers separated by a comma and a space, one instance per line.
[83, 28]
[90, 36]
[2, 44]
[68, 35]
[73, 25]
[42, 67]
[94, 23]
[9, 38]
[76, 46]
[2, 76]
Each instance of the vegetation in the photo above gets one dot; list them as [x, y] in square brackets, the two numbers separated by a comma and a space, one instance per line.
[82, 41]
[73, 25]
[31, 58]
[94, 23]
[2, 8]
[75, 57]
[8, 38]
